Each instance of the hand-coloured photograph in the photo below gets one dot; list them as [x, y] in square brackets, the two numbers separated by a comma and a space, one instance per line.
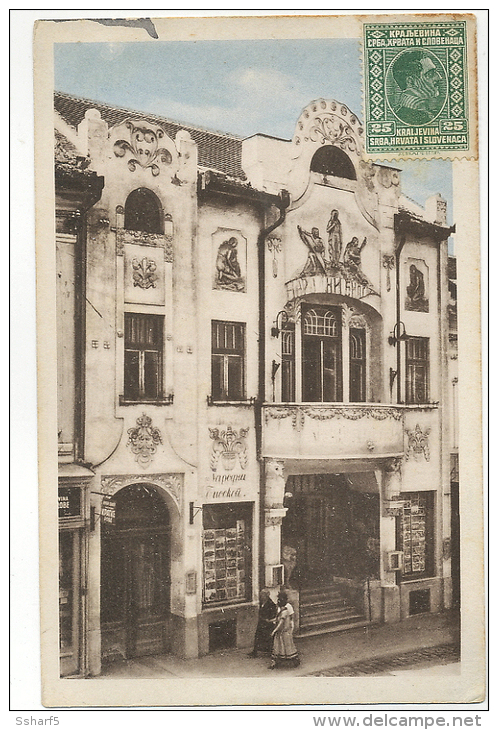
[253, 461]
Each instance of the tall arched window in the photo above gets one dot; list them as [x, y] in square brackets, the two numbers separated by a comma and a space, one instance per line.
[322, 359]
[331, 160]
[143, 212]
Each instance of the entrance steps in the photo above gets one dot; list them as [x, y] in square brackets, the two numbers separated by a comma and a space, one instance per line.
[324, 610]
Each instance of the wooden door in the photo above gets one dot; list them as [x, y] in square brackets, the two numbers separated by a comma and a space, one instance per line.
[308, 528]
[147, 594]
[69, 601]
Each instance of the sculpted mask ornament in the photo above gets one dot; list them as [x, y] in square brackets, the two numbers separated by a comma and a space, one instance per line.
[393, 466]
[144, 439]
[230, 446]
[143, 146]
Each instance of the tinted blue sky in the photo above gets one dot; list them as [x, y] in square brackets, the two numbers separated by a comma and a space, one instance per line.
[242, 87]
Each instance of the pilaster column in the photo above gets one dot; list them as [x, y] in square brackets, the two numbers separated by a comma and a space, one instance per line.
[390, 509]
[391, 480]
[274, 514]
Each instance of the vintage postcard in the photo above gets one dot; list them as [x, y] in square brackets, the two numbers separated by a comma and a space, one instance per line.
[258, 246]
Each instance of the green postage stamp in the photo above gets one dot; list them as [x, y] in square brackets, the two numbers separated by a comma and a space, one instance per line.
[416, 87]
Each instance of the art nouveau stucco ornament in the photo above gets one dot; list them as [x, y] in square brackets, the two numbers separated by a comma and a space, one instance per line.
[144, 146]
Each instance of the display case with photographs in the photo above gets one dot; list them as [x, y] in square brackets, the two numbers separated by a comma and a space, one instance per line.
[226, 544]
[416, 534]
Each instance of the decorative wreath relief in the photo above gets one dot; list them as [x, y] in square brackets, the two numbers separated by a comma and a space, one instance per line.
[231, 446]
[143, 145]
[144, 274]
[143, 440]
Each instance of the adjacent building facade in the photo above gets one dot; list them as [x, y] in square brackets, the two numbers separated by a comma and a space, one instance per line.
[253, 384]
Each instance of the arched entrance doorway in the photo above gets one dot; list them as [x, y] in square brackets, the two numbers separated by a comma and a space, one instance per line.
[333, 525]
[135, 575]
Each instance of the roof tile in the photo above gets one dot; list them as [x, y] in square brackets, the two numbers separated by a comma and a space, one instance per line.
[217, 150]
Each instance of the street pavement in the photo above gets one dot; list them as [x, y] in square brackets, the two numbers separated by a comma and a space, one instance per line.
[424, 643]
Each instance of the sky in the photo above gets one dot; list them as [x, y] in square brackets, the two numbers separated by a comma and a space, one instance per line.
[241, 87]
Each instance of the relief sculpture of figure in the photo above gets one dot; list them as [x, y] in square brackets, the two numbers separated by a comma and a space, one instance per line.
[316, 249]
[334, 229]
[416, 300]
[228, 272]
[352, 254]
[352, 263]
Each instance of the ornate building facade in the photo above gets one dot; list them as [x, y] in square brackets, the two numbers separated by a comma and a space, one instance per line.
[253, 382]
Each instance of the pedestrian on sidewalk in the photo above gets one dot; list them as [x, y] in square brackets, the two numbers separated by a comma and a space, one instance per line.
[284, 650]
[263, 638]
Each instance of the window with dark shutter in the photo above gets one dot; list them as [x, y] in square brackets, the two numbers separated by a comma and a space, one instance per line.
[227, 361]
[357, 366]
[143, 357]
[288, 364]
[417, 370]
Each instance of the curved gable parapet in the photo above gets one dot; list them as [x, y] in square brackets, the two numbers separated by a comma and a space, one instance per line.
[327, 122]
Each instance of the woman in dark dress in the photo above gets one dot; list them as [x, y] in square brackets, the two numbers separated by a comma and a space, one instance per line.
[263, 638]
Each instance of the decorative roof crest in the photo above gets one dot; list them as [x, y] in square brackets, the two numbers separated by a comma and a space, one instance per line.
[143, 146]
[328, 121]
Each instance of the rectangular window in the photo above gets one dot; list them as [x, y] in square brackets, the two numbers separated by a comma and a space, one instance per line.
[143, 357]
[417, 370]
[416, 534]
[357, 366]
[288, 364]
[227, 361]
[227, 553]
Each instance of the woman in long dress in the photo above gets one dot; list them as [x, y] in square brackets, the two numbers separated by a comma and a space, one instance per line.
[284, 650]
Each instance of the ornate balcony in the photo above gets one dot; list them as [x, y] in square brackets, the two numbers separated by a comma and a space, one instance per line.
[337, 430]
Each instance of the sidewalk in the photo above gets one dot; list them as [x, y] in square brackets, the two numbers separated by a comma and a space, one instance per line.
[318, 653]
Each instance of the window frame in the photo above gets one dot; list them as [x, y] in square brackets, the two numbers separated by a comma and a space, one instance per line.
[139, 393]
[330, 160]
[138, 210]
[227, 356]
[325, 328]
[414, 366]
[361, 362]
[288, 359]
